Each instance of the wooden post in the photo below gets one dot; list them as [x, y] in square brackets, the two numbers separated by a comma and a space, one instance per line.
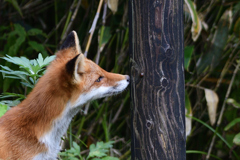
[157, 79]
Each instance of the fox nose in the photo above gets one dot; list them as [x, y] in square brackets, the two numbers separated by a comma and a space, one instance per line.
[127, 78]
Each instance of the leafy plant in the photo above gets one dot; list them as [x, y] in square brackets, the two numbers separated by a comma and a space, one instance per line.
[71, 154]
[29, 70]
[97, 152]
[3, 109]
[100, 149]
[19, 37]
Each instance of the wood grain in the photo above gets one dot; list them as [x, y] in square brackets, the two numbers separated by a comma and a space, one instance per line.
[157, 79]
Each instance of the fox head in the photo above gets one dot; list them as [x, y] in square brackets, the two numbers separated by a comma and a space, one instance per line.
[86, 80]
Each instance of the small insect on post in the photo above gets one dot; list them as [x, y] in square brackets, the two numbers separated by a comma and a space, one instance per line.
[157, 79]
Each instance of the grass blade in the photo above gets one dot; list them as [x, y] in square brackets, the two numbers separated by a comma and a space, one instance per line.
[200, 152]
[213, 130]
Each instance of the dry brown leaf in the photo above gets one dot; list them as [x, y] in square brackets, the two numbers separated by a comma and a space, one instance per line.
[197, 23]
[188, 122]
[212, 103]
[113, 5]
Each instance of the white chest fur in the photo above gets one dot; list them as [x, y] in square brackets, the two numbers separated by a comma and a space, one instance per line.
[53, 137]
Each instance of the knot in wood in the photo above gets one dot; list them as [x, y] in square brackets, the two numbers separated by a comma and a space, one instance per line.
[149, 124]
[169, 52]
[164, 82]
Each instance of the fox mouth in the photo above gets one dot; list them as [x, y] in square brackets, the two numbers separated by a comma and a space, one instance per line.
[116, 90]
[113, 93]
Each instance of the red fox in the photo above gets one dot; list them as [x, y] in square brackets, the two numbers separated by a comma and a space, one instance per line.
[33, 129]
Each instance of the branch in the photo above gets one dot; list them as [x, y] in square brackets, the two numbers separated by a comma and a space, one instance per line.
[91, 31]
[103, 23]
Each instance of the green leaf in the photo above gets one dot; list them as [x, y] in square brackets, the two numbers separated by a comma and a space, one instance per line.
[214, 54]
[47, 60]
[3, 109]
[11, 103]
[76, 148]
[35, 68]
[236, 139]
[8, 95]
[22, 61]
[19, 30]
[35, 31]
[100, 149]
[27, 84]
[7, 83]
[96, 159]
[31, 66]
[197, 24]
[233, 103]
[37, 47]
[16, 6]
[72, 152]
[3, 28]
[12, 77]
[44, 62]
[40, 59]
[6, 68]
[110, 158]
[105, 35]
[188, 50]
[22, 75]
[232, 123]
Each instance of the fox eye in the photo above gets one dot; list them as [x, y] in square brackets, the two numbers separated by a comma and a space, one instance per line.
[99, 79]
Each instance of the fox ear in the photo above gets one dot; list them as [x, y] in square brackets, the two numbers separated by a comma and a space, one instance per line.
[75, 67]
[71, 41]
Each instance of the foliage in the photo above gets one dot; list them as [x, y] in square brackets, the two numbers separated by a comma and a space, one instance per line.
[211, 64]
[30, 70]
[98, 151]
[3, 109]
[72, 154]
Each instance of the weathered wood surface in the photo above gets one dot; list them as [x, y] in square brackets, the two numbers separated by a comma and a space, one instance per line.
[157, 79]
